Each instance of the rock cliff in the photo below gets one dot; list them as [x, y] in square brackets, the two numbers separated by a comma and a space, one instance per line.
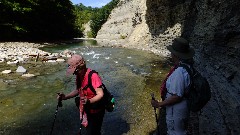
[213, 29]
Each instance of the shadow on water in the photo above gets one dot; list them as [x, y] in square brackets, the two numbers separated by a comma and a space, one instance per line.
[66, 123]
[114, 125]
[39, 122]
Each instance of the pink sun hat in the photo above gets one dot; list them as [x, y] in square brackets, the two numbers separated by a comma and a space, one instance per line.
[73, 62]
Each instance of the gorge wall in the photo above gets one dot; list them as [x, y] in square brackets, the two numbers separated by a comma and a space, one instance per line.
[213, 29]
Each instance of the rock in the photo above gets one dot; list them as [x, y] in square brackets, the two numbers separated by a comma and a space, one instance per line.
[21, 69]
[2, 60]
[12, 62]
[51, 61]
[28, 75]
[237, 111]
[6, 71]
[60, 60]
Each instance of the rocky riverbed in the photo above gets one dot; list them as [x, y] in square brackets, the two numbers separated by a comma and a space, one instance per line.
[18, 56]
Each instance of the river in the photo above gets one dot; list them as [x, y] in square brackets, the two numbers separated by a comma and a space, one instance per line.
[27, 106]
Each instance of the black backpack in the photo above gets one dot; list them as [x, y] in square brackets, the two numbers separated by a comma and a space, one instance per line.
[198, 92]
[107, 101]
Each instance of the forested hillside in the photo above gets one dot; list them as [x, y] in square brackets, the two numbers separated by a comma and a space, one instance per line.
[36, 19]
[98, 16]
[49, 19]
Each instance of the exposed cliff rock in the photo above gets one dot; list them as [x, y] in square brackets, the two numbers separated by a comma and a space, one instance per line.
[86, 30]
[213, 29]
[127, 24]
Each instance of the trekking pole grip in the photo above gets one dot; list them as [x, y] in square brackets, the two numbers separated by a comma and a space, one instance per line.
[60, 100]
[152, 95]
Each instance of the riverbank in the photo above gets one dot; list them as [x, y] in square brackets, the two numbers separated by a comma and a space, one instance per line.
[19, 56]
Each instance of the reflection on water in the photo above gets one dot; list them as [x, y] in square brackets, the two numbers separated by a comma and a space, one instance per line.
[27, 106]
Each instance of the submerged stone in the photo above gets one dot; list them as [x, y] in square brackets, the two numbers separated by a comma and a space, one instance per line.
[21, 69]
[28, 75]
[6, 71]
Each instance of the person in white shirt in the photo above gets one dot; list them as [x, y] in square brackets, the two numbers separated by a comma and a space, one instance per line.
[177, 112]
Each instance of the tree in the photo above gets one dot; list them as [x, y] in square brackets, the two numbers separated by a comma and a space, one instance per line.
[83, 15]
[37, 20]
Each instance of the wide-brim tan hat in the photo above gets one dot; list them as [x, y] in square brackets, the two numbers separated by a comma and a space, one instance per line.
[180, 47]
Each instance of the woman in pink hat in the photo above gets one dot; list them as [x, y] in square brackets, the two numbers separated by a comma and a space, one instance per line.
[91, 111]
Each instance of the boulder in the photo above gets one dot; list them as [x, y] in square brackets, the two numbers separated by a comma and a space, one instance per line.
[21, 69]
[6, 71]
[28, 75]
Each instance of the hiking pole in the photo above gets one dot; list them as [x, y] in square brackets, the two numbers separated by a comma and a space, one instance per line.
[155, 111]
[55, 115]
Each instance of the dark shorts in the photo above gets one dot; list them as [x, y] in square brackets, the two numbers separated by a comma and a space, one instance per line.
[95, 123]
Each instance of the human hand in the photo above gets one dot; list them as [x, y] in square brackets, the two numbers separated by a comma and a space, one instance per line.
[155, 103]
[60, 96]
[84, 100]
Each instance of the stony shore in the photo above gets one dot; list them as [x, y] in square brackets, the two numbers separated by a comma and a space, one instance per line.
[20, 53]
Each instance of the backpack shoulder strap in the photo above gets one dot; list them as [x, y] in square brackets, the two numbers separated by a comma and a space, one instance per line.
[188, 69]
[90, 80]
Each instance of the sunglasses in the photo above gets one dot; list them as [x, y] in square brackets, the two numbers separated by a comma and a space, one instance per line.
[78, 68]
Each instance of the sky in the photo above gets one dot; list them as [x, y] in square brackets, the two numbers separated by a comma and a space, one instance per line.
[92, 3]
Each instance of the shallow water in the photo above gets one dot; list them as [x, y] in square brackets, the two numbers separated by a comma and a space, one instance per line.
[27, 106]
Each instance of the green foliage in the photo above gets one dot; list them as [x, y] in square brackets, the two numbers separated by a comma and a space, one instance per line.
[89, 34]
[36, 19]
[49, 19]
[83, 15]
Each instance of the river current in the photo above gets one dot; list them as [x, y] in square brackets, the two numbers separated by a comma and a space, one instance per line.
[27, 106]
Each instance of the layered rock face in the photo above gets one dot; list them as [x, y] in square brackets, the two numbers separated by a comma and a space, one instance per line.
[213, 29]
[127, 24]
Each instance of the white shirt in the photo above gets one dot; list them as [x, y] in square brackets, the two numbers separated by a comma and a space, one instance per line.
[177, 82]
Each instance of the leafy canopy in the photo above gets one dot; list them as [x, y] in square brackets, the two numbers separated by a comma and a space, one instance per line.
[37, 20]
[96, 16]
